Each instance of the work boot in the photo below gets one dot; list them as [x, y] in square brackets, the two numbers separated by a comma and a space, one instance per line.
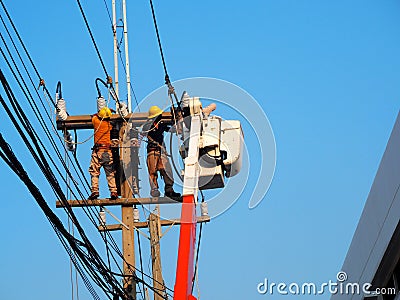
[93, 196]
[173, 195]
[155, 193]
[114, 196]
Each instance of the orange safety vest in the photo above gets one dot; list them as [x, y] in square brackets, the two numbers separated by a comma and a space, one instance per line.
[102, 130]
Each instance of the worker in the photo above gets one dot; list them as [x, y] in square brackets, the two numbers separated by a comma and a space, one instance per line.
[101, 154]
[157, 160]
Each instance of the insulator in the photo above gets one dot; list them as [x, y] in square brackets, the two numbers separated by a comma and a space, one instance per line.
[101, 102]
[185, 99]
[61, 104]
[122, 109]
[69, 143]
[209, 109]
[102, 217]
[136, 216]
[61, 109]
[204, 209]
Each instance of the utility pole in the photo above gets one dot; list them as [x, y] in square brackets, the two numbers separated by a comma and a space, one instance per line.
[155, 236]
[128, 74]
[114, 13]
[128, 234]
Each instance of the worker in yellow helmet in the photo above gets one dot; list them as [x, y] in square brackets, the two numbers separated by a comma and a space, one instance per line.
[157, 160]
[101, 154]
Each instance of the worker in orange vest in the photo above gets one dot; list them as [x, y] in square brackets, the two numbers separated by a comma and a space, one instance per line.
[157, 160]
[101, 154]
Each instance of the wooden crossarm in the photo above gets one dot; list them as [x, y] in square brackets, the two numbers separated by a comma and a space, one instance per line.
[119, 201]
[113, 227]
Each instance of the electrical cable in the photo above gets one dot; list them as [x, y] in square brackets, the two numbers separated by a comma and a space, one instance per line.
[197, 256]
[109, 80]
[108, 10]
[42, 163]
[30, 98]
[171, 89]
[140, 257]
[69, 230]
[25, 124]
[92, 37]
[9, 157]
[23, 45]
[41, 121]
[198, 246]
[45, 169]
[173, 159]
[43, 126]
[36, 68]
[58, 90]
[45, 149]
[159, 42]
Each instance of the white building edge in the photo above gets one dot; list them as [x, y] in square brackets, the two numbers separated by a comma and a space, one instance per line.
[374, 253]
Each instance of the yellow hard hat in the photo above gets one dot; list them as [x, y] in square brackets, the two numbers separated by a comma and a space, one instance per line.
[154, 111]
[104, 113]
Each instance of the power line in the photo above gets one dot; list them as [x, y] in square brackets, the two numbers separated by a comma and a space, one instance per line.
[23, 45]
[33, 103]
[140, 257]
[89, 211]
[8, 156]
[91, 257]
[92, 37]
[93, 261]
[171, 89]
[197, 255]
[108, 10]
[159, 41]
[198, 245]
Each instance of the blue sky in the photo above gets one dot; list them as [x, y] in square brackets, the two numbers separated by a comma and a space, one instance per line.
[325, 73]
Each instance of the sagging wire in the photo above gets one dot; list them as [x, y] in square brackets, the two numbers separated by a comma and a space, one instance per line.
[23, 45]
[171, 89]
[9, 157]
[140, 259]
[71, 228]
[46, 89]
[44, 86]
[198, 246]
[30, 99]
[42, 163]
[92, 38]
[64, 163]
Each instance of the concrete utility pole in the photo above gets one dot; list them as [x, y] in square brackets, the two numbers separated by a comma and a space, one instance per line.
[126, 50]
[116, 80]
[155, 236]
[128, 234]
[129, 186]
[128, 73]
